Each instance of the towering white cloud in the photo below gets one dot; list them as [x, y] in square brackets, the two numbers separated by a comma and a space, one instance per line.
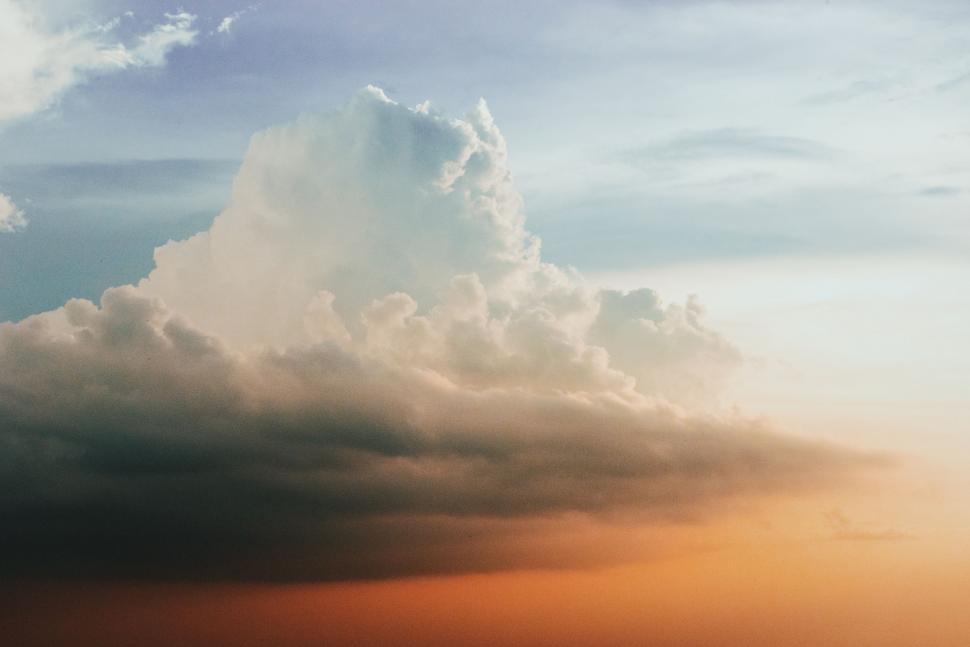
[408, 226]
[37, 65]
[361, 364]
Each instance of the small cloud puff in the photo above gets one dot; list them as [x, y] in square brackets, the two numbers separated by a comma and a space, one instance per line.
[225, 25]
[12, 218]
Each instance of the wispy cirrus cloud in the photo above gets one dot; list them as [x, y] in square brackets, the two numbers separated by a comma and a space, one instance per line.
[37, 65]
[940, 191]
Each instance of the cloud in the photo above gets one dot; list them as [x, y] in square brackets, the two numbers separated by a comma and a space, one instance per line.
[850, 92]
[12, 218]
[152, 48]
[845, 529]
[68, 184]
[953, 83]
[731, 142]
[940, 191]
[225, 25]
[37, 66]
[364, 368]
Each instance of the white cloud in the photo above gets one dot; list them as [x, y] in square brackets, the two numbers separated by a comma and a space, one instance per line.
[225, 25]
[152, 48]
[11, 217]
[37, 66]
[417, 235]
[366, 339]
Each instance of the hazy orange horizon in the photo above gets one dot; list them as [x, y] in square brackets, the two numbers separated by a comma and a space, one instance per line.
[781, 574]
[840, 596]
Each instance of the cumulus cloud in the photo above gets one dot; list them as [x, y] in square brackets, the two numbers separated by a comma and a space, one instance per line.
[12, 218]
[38, 65]
[363, 368]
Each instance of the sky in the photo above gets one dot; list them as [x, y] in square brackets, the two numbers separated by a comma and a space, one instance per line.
[437, 323]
